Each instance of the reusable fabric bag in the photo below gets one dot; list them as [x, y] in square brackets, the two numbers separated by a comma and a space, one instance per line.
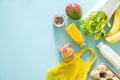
[73, 68]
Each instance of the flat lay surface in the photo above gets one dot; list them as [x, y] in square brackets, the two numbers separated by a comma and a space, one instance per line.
[29, 42]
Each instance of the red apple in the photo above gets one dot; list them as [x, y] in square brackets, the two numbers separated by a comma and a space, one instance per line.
[74, 11]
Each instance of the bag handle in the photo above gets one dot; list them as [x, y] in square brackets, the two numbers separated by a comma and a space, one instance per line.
[92, 59]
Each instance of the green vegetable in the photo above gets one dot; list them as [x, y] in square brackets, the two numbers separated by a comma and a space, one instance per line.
[95, 23]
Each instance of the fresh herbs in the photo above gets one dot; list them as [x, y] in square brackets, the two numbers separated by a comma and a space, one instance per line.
[95, 23]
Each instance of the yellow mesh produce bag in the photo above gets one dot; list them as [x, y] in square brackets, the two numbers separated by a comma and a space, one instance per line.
[73, 68]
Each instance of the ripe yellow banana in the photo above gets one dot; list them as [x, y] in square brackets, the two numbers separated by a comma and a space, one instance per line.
[116, 24]
[114, 38]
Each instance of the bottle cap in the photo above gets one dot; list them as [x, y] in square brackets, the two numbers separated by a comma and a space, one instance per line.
[99, 44]
[83, 44]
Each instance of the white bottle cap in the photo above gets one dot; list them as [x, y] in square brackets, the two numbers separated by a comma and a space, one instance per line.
[99, 44]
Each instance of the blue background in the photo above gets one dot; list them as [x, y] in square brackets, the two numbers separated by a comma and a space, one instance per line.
[29, 42]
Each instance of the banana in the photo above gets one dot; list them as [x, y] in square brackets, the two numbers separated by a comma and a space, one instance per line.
[116, 24]
[114, 38]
